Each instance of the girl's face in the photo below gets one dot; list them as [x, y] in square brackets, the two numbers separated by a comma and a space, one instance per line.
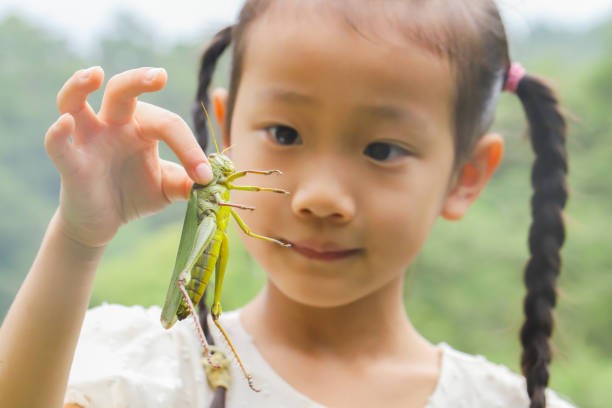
[361, 129]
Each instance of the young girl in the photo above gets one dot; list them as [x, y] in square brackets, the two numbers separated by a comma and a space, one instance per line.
[377, 114]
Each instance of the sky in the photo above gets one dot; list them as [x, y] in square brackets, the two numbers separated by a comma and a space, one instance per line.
[80, 20]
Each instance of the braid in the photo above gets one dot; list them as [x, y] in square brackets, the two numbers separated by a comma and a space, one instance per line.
[209, 59]
[219, 396]
[203, 317]
[547, 130]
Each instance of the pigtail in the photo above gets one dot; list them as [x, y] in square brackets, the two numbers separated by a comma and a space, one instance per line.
[208, 62]
[207, 67]
[220, 393]
[547, 130]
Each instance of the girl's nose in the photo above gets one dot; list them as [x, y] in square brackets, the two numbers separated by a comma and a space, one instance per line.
[323, 195]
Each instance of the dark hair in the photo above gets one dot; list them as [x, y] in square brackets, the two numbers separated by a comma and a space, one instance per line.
[471, 35]
[218, 400]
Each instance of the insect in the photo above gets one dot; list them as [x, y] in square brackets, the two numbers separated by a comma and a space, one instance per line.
[203, 247]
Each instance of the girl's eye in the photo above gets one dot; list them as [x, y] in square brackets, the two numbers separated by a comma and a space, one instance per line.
[382, 151]
[284, 135]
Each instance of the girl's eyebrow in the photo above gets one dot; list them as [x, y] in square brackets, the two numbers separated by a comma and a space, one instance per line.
[288, 96]
[393, 113]
[390, 112]
[380, 111]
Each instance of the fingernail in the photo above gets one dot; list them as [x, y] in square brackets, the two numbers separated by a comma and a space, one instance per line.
[151, 74]
[60, 119]
[203, 173]
[86, 73]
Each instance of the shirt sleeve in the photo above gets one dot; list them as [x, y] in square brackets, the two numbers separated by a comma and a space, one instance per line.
[124, 358]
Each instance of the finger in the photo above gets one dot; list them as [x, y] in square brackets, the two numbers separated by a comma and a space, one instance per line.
[157, 123]
[119, 100]
[72, 98]
[176, 184]
[58, 144]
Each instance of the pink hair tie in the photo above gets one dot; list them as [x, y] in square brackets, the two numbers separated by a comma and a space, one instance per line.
[515, 74]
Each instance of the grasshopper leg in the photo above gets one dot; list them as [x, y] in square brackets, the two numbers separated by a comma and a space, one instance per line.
[220, 202]
[215, 310]
[205, 346]
[256, 188]
[240, 206]
[243, 173]
[245, 228]
[248, 376]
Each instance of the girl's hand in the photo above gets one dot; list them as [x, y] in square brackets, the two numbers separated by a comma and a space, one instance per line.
[110, 168]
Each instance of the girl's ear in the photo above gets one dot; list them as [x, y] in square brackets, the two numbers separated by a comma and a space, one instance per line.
[473, 176]
[219, 100]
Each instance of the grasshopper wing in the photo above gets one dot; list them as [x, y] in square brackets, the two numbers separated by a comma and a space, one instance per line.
[194, 240]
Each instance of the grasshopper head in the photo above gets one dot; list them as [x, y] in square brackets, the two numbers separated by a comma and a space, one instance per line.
[221, 164]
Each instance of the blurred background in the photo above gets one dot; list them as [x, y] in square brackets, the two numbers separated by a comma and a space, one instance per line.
[465, 288]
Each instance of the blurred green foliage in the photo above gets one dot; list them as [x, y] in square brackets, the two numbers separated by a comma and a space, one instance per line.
[464, 289]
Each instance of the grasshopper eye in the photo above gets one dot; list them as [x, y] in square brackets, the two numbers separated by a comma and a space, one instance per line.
[383, 151]
[284, 135]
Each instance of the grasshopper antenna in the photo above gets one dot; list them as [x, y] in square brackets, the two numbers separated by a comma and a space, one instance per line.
[212, 131]
[226, 149]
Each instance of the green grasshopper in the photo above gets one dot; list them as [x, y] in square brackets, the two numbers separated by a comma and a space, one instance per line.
[203, 247]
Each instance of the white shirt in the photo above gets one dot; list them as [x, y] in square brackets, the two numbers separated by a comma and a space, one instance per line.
[124, 358]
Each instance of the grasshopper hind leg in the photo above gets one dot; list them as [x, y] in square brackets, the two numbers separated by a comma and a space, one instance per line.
[187, 300]
[215, 310]
[246, 374]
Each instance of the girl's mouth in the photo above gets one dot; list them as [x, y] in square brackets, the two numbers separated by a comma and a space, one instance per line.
[321, 254]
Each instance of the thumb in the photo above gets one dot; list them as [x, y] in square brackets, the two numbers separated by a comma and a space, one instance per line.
[58, 144]
[176, 184]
